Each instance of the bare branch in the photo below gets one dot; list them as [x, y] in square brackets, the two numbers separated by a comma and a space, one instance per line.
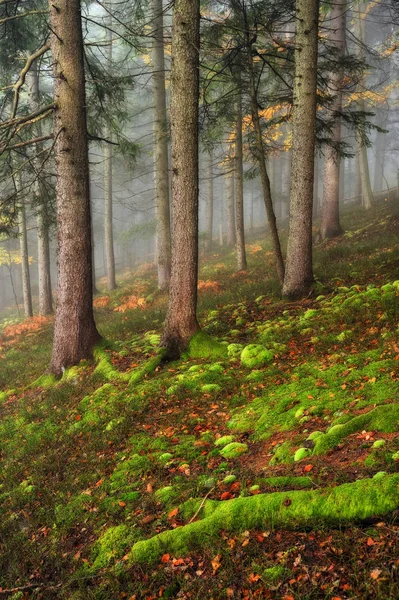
[23, 73]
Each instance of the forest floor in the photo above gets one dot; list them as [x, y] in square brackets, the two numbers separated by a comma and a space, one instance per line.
[270, 472]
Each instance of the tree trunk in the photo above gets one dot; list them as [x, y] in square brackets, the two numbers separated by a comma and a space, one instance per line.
[24, 254]
[163, 257]
[239, 190]
[75, 332]
[209, 202]
[260, 155]
[42, 218]
[330, 221]
[299, 272]
[316, 186]
[380, 149]
[230, 202]
[181, 320]
[367, 193]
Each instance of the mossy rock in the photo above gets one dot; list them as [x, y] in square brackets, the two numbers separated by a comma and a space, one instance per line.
[224, 440]
[379, 443]
[229, 479]
[234, 350]
[234, 450]
[255, 356]
[302, 453]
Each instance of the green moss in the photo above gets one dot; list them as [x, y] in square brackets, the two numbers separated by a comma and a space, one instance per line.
[44, 381]
[283, 453]
[229, 479]
[203, 345]
[234, 350]
[148, 367]
[234, 450]
[224, 440]
[342, 504]
[165, 457]
[105, 370]
[302, 453]
[112, 545]
[255, 356]
[167, 495]
[274, 574]
[210, 388]
[379, 443]
[382, 418]
[301, 482]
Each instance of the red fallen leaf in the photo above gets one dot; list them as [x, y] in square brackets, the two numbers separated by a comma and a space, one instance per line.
[78, 417]
[253, 577]
[148, 519]
[121, 503]
[260, 538]
[370, 541]
[226, 496]
[173, 512]
[308, 468]
[288, 597]
[375, 573]
[336, 598]
[235, 486]
[165, 558]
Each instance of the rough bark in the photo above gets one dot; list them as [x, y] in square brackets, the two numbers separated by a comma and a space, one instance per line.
[75, 332]
[330, 219]
[163, 257]
[260, 155]
[299, 272]
[24, 254]
[181, 320]
[42, 218]
[230, 210]
[209, 202]
[239, 191]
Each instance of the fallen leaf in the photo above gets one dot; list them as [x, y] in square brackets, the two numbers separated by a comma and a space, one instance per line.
[216, 563]
[173, 512]
[375, 573]
[308, 468]
[165, 558]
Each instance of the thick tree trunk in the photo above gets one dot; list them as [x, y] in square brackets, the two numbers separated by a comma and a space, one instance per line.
[209, 202]
[24, 254]
[75, 332]
[260, 155]
[330, 220]
[239, 191]
[181, 320]
[299, 272]
[108, 182]
[163, 257]
[42, 219]
[230, 202]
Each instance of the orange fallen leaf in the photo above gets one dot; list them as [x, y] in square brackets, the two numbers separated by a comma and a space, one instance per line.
[375, 573]
[308, 468]
[165, 558]
[173, 512]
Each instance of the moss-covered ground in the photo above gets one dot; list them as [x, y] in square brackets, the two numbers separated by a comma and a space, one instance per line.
[263, 464]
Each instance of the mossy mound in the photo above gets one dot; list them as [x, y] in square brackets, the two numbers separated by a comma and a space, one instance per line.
[203, 345]
[234, 450]
[343, 504]
[255, 356]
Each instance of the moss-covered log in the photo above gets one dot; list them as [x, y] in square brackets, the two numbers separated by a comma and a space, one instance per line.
[343, 504]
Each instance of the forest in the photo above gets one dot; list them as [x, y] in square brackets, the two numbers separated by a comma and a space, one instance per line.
[199, 299]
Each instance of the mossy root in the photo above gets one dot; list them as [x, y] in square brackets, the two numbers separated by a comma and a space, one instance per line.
[346, 503]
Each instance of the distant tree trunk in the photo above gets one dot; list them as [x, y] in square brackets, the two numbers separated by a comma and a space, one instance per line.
[93, 254]
[75, 332]
[108, 181]
[24, 253]
[181, 320]
[358, 182]
[367, 192]
[299, 272]
[230, 203]
[209, 202]
[163, 257]
[316, 185]
[330, 221]
[260, 155]
[42, 218]
[380, 148]
[239, 191]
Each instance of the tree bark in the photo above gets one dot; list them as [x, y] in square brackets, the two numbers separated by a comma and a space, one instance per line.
[181, 320]
[24, 254]
[330, 219]
[299, 271]
[239, 191]
[42, 218]
[163, 257]
[230, 202]
[380, 149]
[209, 202]
[260, 155]
[75, 332]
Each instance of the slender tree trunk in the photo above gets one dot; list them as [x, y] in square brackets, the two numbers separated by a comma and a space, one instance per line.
[316, 186]
[358, 184]
[24, 253]
[330, 221]
[75, 332]
[181, 320]
[260, 155]
[367, 192]
[299, 272]
[380, 148]
[239, 190]
[163, 257]
[209, 202]
[93, 253]
[230, 203]
[42, 218]
[108, 180]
